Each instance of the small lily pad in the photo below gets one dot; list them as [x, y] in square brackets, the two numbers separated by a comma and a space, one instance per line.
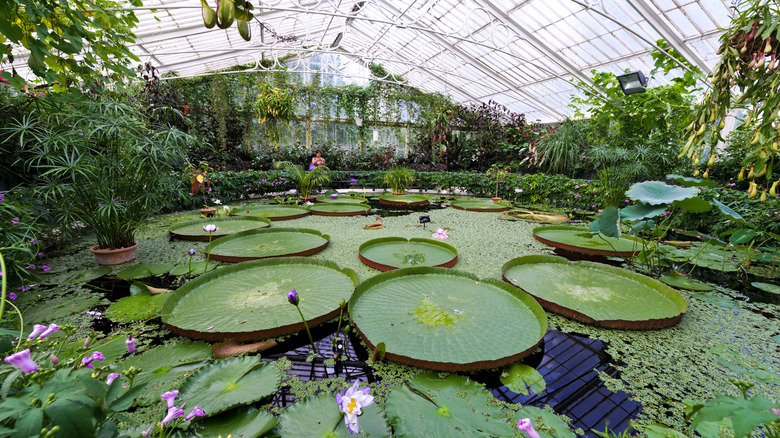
[138, 307]
[520, 378]
[685, 283]
[766, 287]
[320, 417]
[88, 275]
[716, 300]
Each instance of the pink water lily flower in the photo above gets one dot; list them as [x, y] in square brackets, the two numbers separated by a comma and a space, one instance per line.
[440, 233]
[23, 361]
[526, 426]
[210, 228]
[352, 402]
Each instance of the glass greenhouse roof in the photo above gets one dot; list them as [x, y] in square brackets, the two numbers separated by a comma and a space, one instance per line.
[522, 54]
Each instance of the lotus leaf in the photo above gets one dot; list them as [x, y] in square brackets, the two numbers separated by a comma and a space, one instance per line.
[390, 253]
[608, 223]
[595, 293]
[693, 204]
[229, 383]
[339, 209]
[691, 182]
[319, 417]
[581, 240]
[446, 320]
[480, 205]
[728, 211]
[143, 270]
[641, 210]
[259, 244]
[685, 283]
[249, 300]
[742, 236]
[193, 230]
[277, 212]
[431, 406]
[657, 192]
[162, 367]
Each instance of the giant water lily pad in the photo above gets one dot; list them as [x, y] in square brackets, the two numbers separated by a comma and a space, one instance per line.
[390, 253]
[339, 209]
[479, 205]
[229, 383]
[261, 244]
[454, 406]
[403, 201]
[193, 230]
[582, 240]
[342, 198]
[446, 320]
[595, 293]
[319, 417]
[163, 366]
[276, 212]
[248, 301]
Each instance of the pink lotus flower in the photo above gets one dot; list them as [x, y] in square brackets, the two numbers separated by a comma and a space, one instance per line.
[23, 361]
[440, 233]
[526, 426]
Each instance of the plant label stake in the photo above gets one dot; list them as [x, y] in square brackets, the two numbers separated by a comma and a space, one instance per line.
[424, 220]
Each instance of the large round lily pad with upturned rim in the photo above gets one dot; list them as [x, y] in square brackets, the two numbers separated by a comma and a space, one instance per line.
[273, 242]
[595, 293]
[193, 230]
[582, 240]
[339, 209]
[403, 201]
[276, 212]
[389, 253]
[446, 320]
[248, 301]
[341, 198]
[479, 205]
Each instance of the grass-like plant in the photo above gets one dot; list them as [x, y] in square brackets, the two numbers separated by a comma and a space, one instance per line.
[562, 150]
[306, 180]
[398, 178]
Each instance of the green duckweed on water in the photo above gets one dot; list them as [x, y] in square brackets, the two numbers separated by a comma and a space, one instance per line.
[692, 360]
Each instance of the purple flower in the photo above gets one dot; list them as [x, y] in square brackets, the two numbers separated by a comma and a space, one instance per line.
[526, 426]
[23, 361]
[98, 356]
[37, 330]
[30, 267]
[352, 181]
[170, 397]
[210, 228]
[54, 360]
[130, 342]
[292, 297]
[111, 378]
[15, 221]
[11, 296]
[352, 402]
[173, 412]
[192, 251]
[86, 342]
[40, 254]
[196, 412]
[45, 268]
[334, 196]
[51, 329]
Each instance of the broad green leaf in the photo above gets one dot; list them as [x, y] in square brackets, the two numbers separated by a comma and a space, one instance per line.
[716, 300]
[693, 204]
[163, 366]
[340, 209]
[691, 182]
[319, 417]
[435, 318]
[685, 283]
[609, 222]
[228, 383]
[138, 307]
[543, 421]
[766, 287]
[742, 236]
[596, 293]
[431, 406]
[249, 300]
[520, 378]
[658, 193]
[640, 210]
[53, 309]
[193, 230]
[745, 415]
[272, 242]
[243, 422]
[660, 431]
[728, 212]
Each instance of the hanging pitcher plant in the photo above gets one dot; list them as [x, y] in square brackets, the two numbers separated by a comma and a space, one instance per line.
[227, 12]
[746, 77]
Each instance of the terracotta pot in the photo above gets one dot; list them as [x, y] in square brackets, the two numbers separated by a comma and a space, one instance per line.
[107, 257]
[495, 199]
[308, 198]
[398, 193]
[208, 212]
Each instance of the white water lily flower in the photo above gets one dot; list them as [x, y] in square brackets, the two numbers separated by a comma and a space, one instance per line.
[352, 402]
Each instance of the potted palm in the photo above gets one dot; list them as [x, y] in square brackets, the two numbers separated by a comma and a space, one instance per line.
[398, 179]
[100, 166]
[306, 180]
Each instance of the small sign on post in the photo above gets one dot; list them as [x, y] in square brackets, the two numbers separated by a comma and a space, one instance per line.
[424, 220]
